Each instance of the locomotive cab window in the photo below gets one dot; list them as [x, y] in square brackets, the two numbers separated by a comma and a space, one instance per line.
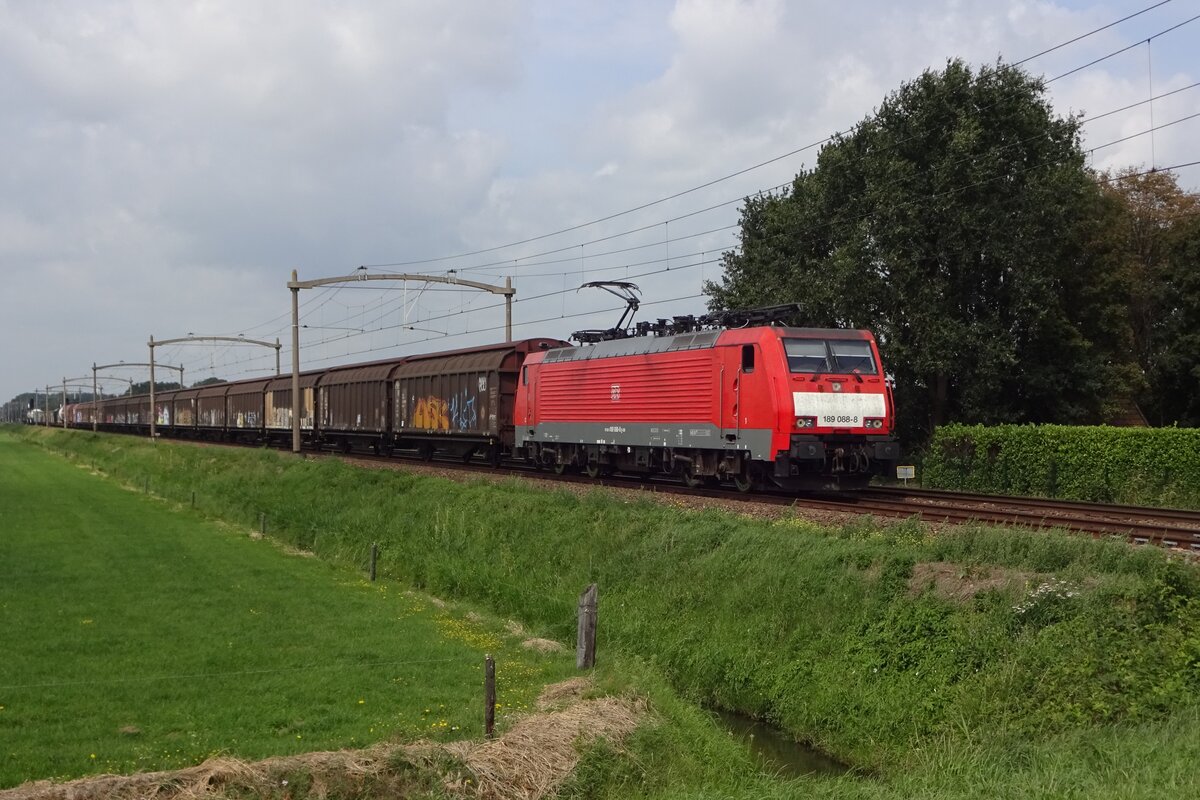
[837, 356]
[852, 355]
[806, 355]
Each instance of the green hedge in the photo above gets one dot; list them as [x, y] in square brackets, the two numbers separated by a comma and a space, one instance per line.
[1144, 466]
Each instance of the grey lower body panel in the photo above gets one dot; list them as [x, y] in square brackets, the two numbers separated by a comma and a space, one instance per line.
[676, 435]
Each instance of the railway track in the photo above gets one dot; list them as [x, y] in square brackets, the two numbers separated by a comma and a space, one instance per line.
[1173, 528]
[1177, 529]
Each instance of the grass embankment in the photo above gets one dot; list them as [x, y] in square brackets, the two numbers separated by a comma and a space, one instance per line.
[137, 636]
[969, 663]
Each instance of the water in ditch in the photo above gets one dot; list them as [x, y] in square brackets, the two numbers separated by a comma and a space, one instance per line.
[778, 752]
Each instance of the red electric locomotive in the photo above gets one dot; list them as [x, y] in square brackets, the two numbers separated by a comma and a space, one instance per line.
[796, 408]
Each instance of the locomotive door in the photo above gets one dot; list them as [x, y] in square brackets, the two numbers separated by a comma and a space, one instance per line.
[746, 367]
[530, 397]
[727, 404]
[731, 415]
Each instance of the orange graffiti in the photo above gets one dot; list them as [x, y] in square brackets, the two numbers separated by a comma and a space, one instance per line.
[432, 413]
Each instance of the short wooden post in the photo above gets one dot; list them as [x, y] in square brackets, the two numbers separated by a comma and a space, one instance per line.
[262, 523]
[489, 697]
[585, 642]
[146, 486]
[374, 558]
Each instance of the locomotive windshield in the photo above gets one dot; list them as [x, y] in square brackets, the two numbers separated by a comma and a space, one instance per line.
[838, 356]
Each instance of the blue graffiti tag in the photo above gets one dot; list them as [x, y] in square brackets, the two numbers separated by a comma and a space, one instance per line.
[463, 414]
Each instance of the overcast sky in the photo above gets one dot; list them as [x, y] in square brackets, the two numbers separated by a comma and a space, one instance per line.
[167, 164]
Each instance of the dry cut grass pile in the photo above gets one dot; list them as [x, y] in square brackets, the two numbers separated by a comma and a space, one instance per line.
[528, 762]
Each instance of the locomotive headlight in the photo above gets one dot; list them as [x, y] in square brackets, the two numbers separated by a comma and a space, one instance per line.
[873, 423]
[806, 422]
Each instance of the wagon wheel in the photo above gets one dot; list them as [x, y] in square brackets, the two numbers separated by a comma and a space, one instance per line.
[425, 451]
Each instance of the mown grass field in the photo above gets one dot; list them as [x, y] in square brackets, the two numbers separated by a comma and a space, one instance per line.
[138, 636]
[943, 664]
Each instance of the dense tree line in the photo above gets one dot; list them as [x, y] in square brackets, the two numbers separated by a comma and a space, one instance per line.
[1006, 281]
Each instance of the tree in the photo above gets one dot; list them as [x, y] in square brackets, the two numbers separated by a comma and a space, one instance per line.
[960, 224]
[1175, 375]
[1159, 236]
[159, 386]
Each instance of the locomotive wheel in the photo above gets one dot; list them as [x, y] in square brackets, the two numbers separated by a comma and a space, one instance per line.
[690, 478]
[560, 467]
[597, 470]
[743, 482]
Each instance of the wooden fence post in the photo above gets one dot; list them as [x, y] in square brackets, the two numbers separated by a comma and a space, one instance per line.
[585, 641]
[374, 558]
[489, 696]
[262, 523]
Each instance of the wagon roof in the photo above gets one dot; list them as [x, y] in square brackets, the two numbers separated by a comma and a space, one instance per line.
[284, 382]
[481, 361]
[213, 390]
[248, 387]
[519, 346]
[360, 373]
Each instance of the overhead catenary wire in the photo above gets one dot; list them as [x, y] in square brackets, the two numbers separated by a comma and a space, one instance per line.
[1092, 32]
[483, 269]
[523, 262]
[546, 295]
[609, 217]
[1109, 179]
[924, 198]
[1138, 43]
[775, 188]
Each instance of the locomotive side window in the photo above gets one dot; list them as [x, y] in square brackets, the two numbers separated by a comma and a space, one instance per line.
[524, 376]
[838, 356]
[747, 358]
